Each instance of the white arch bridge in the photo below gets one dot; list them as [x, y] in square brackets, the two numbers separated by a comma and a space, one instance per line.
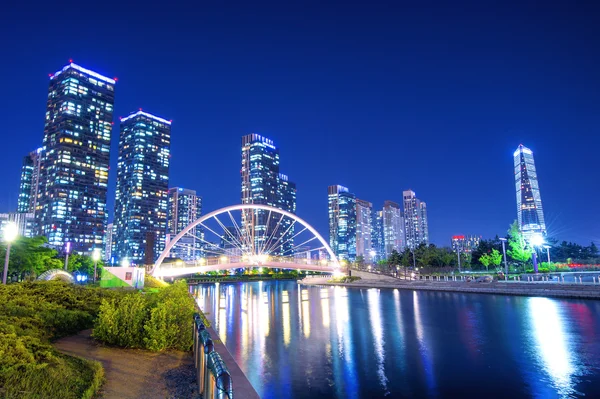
[245, 236]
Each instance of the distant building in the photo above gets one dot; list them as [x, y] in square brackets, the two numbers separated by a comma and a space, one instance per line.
[415, 220]
[142, 185]
[73, 182]
[342, 222]
[377, 240]
[530, 214]
[30, 181]
[263, 184]
[364, 228]
[466, 244]
[25, 223]
[184, 207]
[108, 242]
[393, 228]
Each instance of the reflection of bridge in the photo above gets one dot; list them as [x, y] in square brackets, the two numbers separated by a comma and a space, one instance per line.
[229, 238]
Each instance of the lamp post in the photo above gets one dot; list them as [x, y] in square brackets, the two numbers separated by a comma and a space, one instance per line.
[125, 262]
[67, 250]
[547, 247]
[536, 241]
[95, 258]
[458, 253]
[504, 253]
[11, 231]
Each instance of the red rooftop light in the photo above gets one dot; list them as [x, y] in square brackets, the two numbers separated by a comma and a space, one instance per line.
[70, 60]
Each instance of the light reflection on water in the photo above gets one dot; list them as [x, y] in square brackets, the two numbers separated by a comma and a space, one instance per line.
[300, 342]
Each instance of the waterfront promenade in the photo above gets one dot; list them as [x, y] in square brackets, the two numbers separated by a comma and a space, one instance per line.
[546, 289]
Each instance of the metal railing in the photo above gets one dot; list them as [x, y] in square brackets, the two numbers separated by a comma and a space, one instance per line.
[214, 379]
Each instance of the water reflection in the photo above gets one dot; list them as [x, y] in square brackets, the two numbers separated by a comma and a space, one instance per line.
[313, 342]
[552, 343]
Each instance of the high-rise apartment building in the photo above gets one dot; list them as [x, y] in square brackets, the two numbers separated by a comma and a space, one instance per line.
[185, 206]
[530, 214]
[342, 222]
[71, 200]
[30, 181]
[393, 228]
[465, 244]
[364, 228]
[262, 183]
[377, 240]
[142, 186]
[415, 220]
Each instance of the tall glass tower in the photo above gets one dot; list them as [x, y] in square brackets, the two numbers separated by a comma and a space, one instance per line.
[71, 205]
[263, 184]
[377, 241]
[364, 228]
[342, 222]
[30, 181]
[530, 214]
[415, 220]
[185, 207]
[142, 185]
[393, 228]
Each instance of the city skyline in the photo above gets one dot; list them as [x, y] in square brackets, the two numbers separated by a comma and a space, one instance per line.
[318, 147]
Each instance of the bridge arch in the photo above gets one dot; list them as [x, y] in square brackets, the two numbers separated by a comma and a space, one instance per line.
[56, 274]
[333, 264]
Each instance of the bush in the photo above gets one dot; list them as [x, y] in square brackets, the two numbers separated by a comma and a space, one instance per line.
[154, 321]
[31, 315]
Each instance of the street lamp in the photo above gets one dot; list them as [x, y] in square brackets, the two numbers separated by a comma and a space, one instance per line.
[547, 247]
[67, 250]
[537, 240]
[95, 258]
[11, 231]
[458, 253]
[504, 253]
[125, 262]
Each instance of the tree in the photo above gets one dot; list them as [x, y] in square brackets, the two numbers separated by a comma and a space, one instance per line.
[485, 260]
[518, 249]
[495, 257]
[359, 261]
[29, 258]
[395, 259]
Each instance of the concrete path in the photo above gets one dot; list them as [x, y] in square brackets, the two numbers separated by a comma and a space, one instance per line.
[132, 373]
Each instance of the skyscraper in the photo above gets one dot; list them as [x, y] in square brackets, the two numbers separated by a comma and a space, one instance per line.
[393, 228]
[465, 244]
[377, 241]
[30, 180]
[530, 214]
[364, 228]
[262, 183]
[342, 222]
[71, 204]
[415, 220]
[142, 185]
[185, 207]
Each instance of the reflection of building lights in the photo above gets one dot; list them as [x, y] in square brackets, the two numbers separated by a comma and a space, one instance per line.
[552, 349]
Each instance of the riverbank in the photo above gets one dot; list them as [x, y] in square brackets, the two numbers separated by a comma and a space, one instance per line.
[134, 373]
[544, 289]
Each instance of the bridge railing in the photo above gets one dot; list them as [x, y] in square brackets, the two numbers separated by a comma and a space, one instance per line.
[213, 377]
[243, 260]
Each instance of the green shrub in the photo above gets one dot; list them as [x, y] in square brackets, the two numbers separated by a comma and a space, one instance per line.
[154, 321]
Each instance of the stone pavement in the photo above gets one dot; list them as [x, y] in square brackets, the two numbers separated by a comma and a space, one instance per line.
[133, 373]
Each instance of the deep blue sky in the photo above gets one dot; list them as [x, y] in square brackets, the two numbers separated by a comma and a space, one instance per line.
[433, 96]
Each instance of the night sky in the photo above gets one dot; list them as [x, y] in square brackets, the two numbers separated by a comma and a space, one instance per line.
[432, 96]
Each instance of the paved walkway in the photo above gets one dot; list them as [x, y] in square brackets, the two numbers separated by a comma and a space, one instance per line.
[546, 289]
[132, 373]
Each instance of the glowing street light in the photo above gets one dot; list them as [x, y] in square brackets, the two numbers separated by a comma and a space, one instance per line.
[536, 240]
[125, 262]
[95, 258]
[11, 231]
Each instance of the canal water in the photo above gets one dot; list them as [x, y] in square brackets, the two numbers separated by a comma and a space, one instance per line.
[294, 341]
